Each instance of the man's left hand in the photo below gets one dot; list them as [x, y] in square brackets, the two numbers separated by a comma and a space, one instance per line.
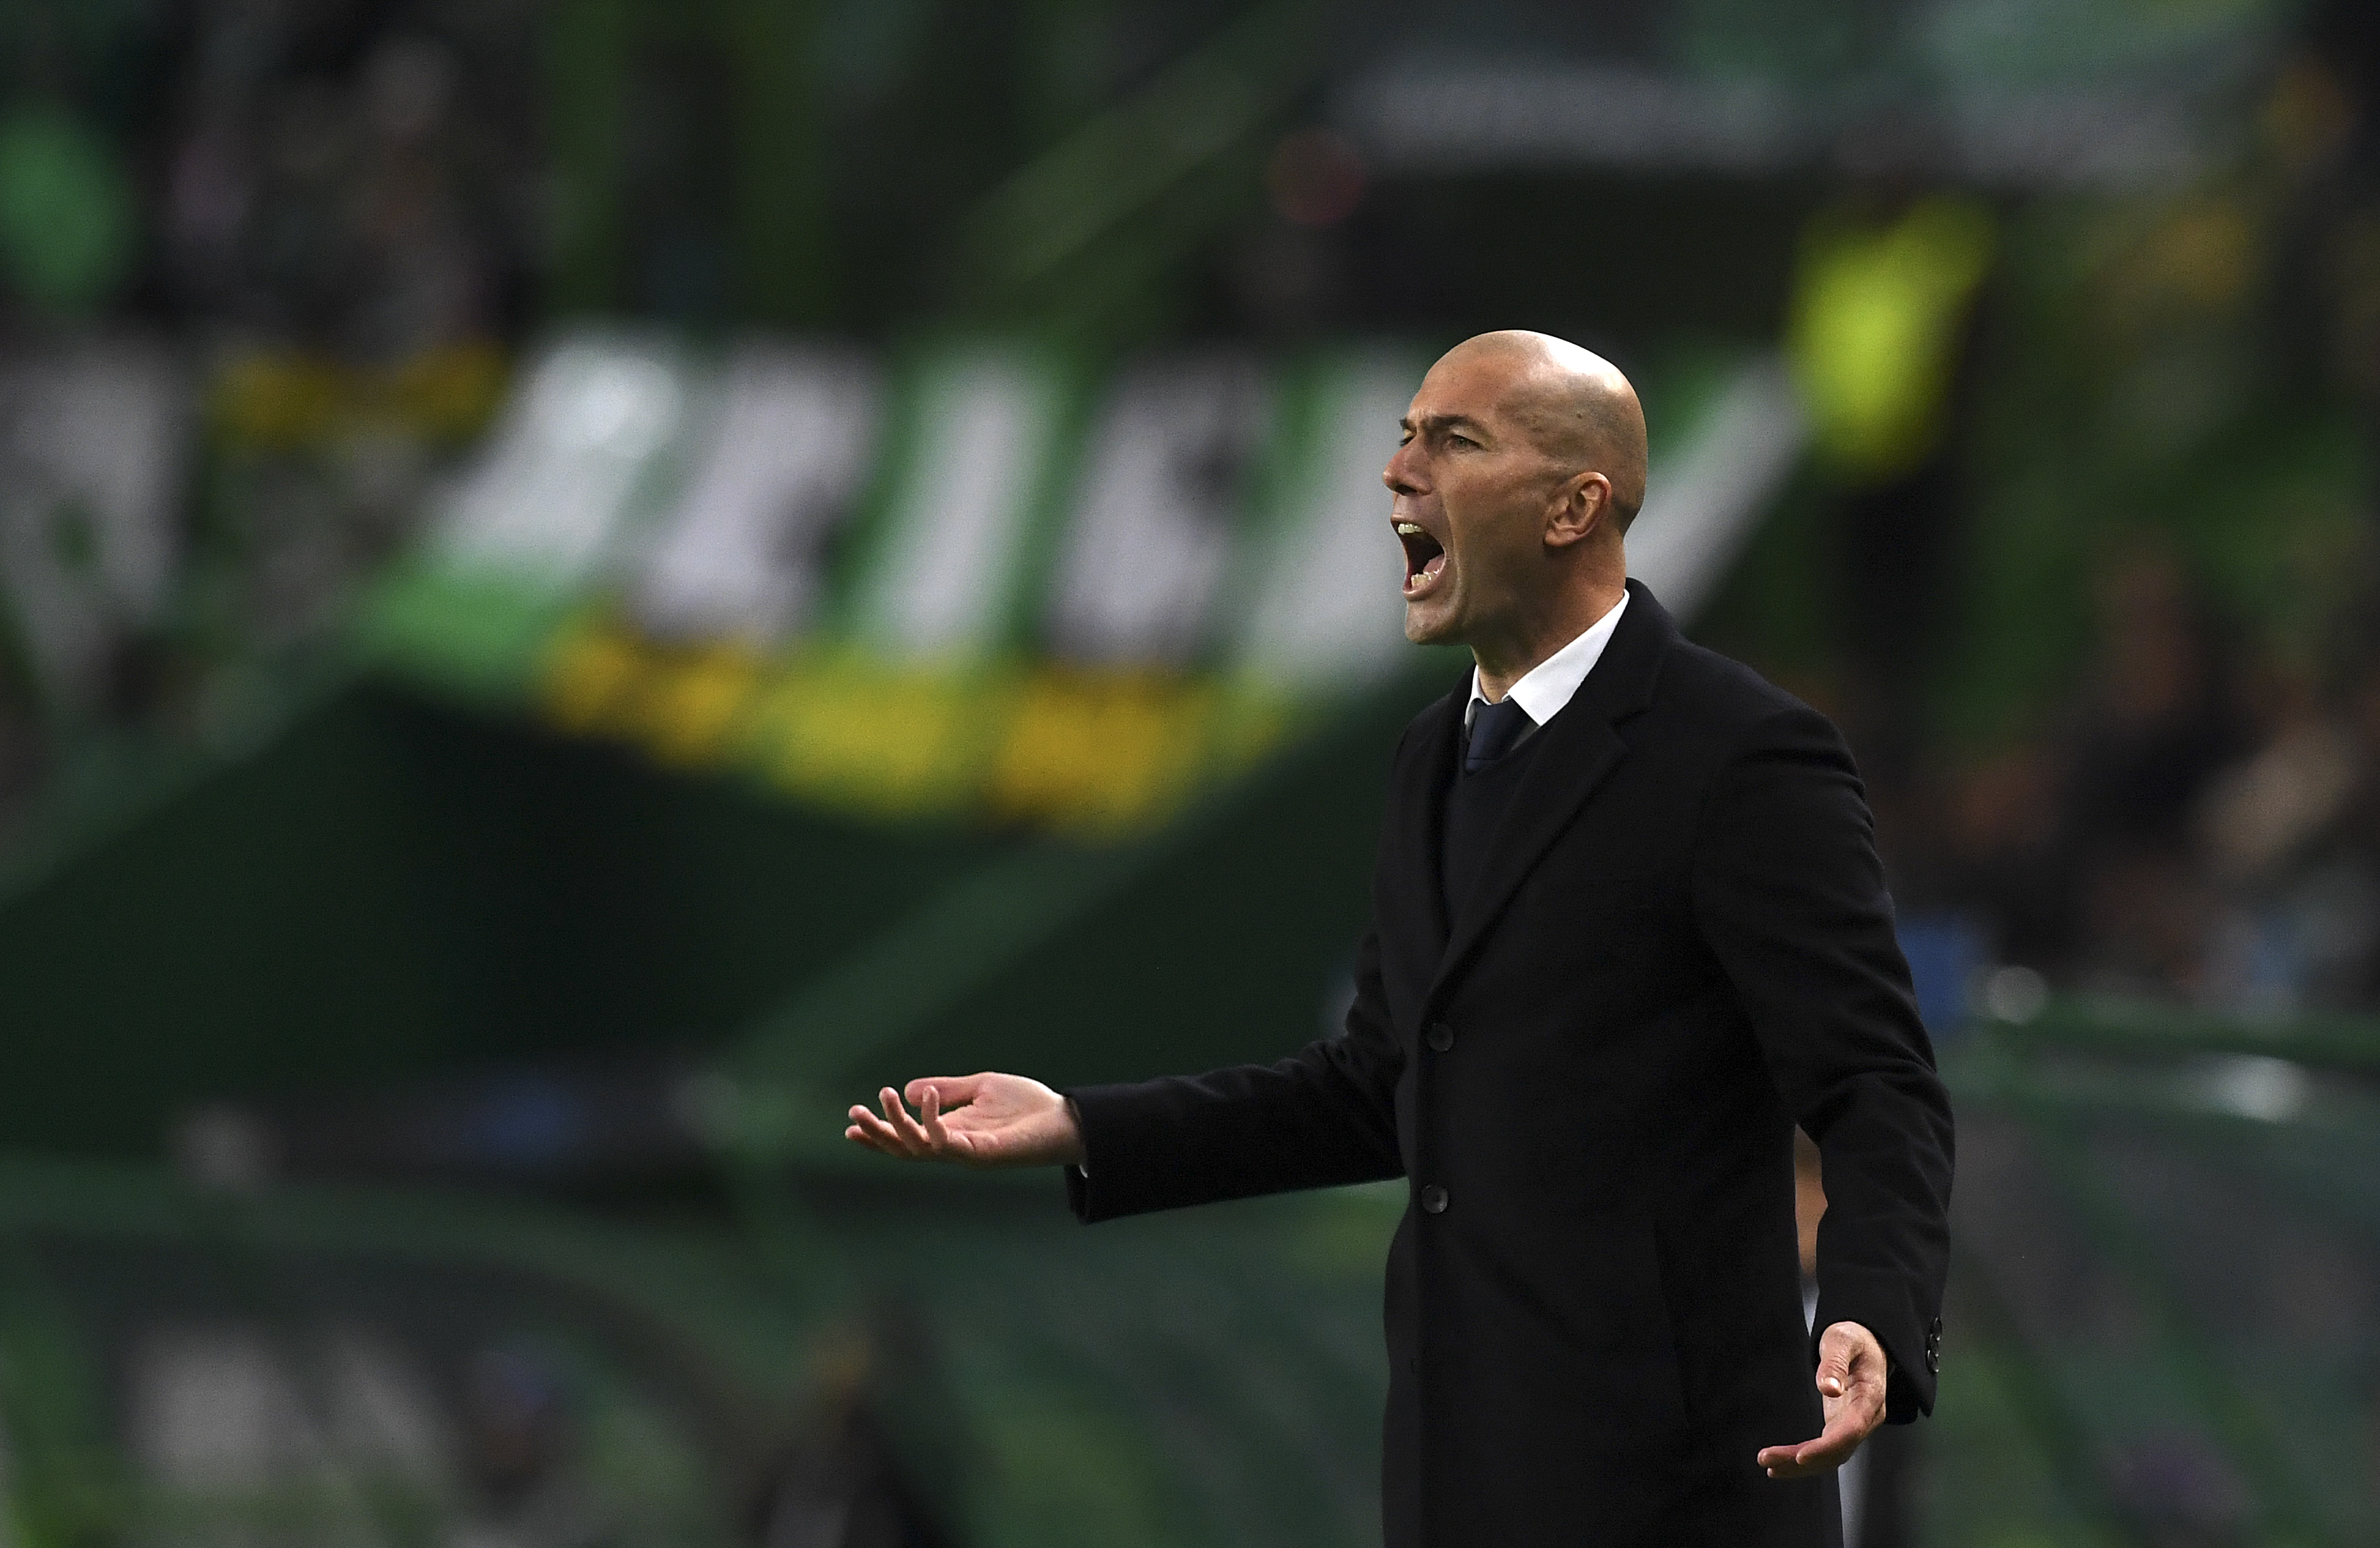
[1851, 1385]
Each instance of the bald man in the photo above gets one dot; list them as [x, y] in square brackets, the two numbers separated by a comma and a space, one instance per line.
[1628, 929]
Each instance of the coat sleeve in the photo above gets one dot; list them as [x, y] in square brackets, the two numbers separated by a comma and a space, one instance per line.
[1323, 1116]
[1790, 895]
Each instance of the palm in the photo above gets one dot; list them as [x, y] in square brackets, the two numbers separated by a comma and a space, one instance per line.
[1851, 1396]
[1002, 1119]
[980, 1120]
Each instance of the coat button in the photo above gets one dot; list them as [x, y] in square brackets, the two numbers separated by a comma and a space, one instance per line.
[1442, 1037]
[1433, 1200]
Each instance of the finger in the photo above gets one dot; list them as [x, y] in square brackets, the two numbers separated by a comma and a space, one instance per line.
[954, 1090]
[1848, 1355]
[888, 1137]
[914, 1138]
[869, 1130]
[884, 1125]
[929, 1119]
[1829, 1451]
[1787, 1462]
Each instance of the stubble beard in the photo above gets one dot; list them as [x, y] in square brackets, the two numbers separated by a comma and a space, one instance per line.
[1425, 627]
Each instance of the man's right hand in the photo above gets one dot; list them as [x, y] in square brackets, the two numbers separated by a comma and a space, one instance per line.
[977, 1120]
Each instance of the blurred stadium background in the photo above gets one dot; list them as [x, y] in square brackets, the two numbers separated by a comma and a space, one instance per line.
[582, 581]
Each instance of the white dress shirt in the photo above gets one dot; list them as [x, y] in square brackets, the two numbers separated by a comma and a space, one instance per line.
[1546, 687]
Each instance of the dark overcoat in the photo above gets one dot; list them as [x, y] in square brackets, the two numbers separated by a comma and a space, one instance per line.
[1680, 947]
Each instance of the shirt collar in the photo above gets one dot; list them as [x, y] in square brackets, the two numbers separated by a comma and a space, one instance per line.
[1545, 688]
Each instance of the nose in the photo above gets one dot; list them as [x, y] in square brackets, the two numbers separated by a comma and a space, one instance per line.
[1399, 473]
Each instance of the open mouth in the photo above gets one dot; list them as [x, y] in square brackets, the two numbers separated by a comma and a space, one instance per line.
[1425, 557]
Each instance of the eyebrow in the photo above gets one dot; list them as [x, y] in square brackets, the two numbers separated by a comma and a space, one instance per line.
[1444, 422]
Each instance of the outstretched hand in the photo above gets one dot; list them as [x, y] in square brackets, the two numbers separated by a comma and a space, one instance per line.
[977, 1121]
[1851, 1389]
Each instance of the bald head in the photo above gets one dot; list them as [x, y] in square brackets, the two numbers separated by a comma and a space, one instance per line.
[1520, 462]
[1574, 405]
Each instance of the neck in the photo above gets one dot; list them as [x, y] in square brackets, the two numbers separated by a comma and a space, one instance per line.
[1509, 655]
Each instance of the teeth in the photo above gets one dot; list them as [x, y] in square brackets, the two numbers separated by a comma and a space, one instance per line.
[1407, 529]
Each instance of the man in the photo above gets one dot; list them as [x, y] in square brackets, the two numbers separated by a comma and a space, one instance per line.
[1628, 929]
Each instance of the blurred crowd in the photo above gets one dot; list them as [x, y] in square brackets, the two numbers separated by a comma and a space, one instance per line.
[2111, 644]
[2199, 819]
[261, 261]
[2101, 604]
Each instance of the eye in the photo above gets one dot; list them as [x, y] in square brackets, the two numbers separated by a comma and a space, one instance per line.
[1462, 440]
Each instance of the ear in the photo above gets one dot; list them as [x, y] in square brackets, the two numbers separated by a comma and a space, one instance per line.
[1582, 507]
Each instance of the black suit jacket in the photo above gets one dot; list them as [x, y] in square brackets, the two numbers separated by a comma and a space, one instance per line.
[1681, 947]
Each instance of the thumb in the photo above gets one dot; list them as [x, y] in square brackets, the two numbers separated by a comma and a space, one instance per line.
[1834, 1372]
[950, 1091]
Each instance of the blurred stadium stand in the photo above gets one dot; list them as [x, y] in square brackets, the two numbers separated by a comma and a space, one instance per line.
[582, 583]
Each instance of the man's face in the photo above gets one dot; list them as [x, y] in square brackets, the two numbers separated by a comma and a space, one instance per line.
[1472, 495]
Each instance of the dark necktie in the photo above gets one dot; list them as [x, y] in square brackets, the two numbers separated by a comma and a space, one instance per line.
[1495, 729]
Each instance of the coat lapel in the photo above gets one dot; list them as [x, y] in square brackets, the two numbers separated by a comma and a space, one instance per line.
[1422, 776]
[1580, 748]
